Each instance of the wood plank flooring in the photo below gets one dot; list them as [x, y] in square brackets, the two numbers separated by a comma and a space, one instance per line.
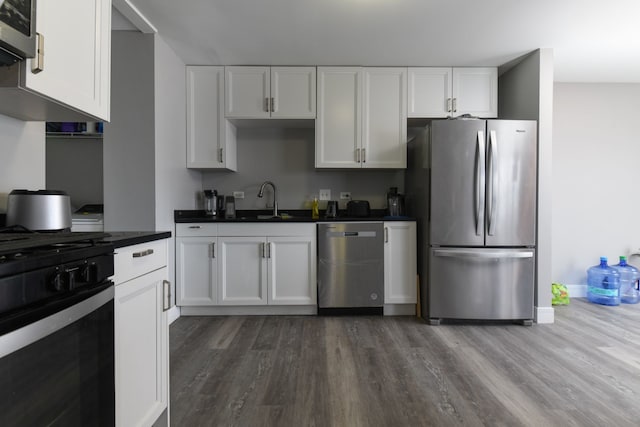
[583, 370]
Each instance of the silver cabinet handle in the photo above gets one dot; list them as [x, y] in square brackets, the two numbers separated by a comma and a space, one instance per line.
[37, 64]
[480, 182]
[448, 105]
[266, 105]
[213, 250]
[455, 105]
[263, 248]
[194, 226]
[142, 253]
[220, 155]
[386, 235]
[166, 295]
[272, 106]
[364, 155]
[269, 250]
[357, 155]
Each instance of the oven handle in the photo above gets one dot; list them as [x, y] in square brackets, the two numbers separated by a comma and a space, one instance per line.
[26, 335]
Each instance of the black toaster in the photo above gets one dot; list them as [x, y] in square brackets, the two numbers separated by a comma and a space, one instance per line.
[358, 209]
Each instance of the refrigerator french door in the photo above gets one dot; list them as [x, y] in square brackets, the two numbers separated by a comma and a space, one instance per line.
[482, 219]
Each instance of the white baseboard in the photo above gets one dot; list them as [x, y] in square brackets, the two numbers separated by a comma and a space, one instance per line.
[173, 314]
[544, 315]
[577, 291]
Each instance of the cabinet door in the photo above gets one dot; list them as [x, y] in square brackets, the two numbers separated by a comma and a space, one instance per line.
[77, 61]
[475, 91]
[339, 117]
[293, 90]
[400, 263]
[141, 349]
[196, 271]
[247, 92]
[211, 142]
[292, 270]
[242, 271]
[429, 92]
[384, 140]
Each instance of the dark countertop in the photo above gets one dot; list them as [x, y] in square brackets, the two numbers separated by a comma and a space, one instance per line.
[120, 239]
[287, 215]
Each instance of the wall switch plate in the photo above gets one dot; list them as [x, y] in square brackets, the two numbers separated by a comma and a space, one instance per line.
[324, 194]
[238, 194]
[345, 195]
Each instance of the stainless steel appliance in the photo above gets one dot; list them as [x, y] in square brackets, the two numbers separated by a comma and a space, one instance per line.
[17, 30]
[56, 329]
[351, 266]
[477, 250]
[41, 210]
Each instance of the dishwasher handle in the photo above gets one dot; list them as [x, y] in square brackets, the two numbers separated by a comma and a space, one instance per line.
[351, 234]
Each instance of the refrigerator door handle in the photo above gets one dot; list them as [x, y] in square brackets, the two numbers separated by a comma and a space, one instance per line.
[480, 183]
[462, 253]
[492, 189]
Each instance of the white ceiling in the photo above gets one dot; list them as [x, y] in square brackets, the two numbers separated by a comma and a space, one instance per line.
[592, 40]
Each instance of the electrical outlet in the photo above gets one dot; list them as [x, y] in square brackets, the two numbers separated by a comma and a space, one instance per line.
[238, 194]
[345, 195]
[324, 194]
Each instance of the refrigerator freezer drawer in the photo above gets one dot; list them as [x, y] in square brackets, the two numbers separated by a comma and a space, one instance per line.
[485, 283]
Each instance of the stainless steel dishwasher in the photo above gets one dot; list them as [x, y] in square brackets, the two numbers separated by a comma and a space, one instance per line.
[351, 265]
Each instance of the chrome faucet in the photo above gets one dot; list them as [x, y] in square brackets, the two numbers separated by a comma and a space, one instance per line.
[275, 202]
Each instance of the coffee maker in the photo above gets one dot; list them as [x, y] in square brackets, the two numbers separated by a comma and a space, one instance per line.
[395, 202]
[213, 203]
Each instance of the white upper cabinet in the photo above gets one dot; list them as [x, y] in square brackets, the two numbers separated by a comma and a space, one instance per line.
[74, 81]
[211, 139]
[270, 92]
[451, 92]
[429, 91]
[475, 91]
[384, 118]
[339, 121]
[362, 117]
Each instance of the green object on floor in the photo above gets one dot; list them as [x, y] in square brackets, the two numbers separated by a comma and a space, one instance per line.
[560, 294]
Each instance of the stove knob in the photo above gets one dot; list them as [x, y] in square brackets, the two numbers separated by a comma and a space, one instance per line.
[71, 278]
[57, 282]
[89, 273]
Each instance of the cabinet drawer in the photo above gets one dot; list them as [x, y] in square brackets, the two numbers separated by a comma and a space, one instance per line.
[199, 229]
[134, 261]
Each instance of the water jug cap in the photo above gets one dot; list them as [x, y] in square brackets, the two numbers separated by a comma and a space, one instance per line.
[623, 260]
[603, 259]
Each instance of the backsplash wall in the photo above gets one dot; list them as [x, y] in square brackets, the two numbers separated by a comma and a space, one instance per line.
[286, 157]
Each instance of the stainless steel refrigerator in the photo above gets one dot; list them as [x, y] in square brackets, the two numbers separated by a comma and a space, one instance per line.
[477, 238]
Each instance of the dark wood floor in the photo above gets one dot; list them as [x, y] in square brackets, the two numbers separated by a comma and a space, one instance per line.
[584, 370]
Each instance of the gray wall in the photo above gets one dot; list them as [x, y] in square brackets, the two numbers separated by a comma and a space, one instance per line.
[22, 156]
[526, 92]
[75, 166]
[286, 157]
[129, 144]
[596, 158]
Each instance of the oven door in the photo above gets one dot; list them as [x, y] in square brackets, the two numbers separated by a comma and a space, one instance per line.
[59, 370]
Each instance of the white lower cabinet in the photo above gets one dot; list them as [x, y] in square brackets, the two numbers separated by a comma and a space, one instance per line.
[400, 262]
[197, 266]
[242, 273]
[246, 264]
[141, 334]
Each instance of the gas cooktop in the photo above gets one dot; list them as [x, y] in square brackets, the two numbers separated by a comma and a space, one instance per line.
[12, 242]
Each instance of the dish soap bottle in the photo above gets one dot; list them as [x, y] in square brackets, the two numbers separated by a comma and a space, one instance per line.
[315, 213]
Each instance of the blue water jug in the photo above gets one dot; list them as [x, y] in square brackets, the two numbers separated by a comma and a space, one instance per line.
[629, 276]
[603, 284]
